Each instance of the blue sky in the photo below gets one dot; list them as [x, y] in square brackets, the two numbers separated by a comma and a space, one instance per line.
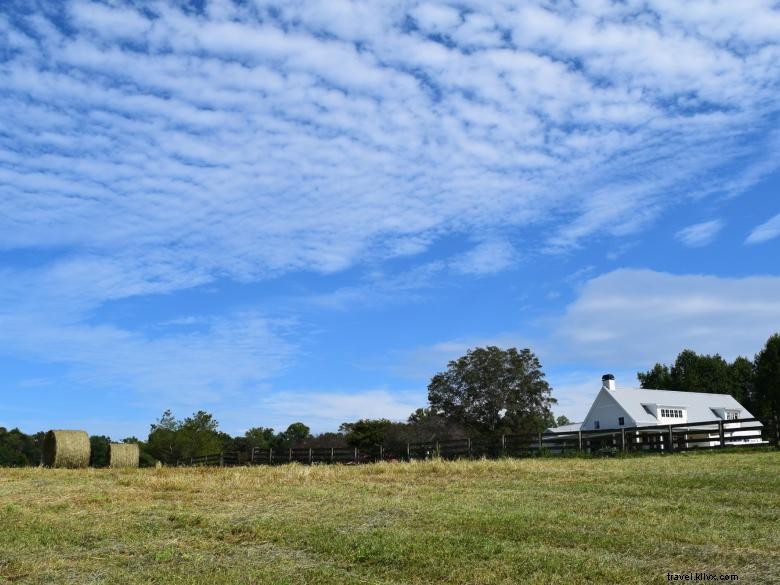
[301, 210]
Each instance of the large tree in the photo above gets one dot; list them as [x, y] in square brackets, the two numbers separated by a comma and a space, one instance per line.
[767, 384]
[170, 439]
[490, 390]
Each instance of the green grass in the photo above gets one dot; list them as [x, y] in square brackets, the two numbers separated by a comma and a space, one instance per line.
[542, 520]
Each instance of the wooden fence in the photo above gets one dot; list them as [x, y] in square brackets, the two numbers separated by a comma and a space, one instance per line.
[716, 434]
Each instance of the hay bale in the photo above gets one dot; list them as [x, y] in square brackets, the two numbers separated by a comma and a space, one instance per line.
[123, 455]
[66, 449]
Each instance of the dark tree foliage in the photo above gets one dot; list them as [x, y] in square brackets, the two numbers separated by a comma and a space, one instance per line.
[260, 437]
[767, 385]
[659, 378]
[366, 433]
[692, 372]
[295, 434]
[425, 426]
[162, 441]
[325, 440]
[18, 449]
[98, 456]
[742, 381]
[490, 391]
[561, 421]
[171, 440]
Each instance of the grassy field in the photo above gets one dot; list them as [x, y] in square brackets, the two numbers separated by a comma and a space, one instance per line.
[512, 521]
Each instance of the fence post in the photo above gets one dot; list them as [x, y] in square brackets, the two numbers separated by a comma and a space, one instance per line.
[381, 452]
[503, 445]
[356, 459]
[721, 434]
[579, 441]
[290, 454]
[623, 438]
[222, 459]
[469, 452]
[671, 439]
[270, 456]
[191, 460]
[540, 443]
[438, 451]
[310, 461]
[331, 454]
[408, 452]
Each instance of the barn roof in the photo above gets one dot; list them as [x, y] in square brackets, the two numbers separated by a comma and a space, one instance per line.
[699, 405]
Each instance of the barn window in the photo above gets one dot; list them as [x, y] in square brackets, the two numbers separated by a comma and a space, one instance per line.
[732, 415]
[596, 424]
[621, 421]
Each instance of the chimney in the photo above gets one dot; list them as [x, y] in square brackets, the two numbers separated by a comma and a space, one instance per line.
[608, 382]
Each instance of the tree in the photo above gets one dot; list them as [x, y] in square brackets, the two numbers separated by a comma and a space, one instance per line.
[171, 440]
[701, 373]
[296, 433]
[659, 378]
[490, 390]
[742, 381]
[767, 384]
[561, 421]
[162, 441]
[98, 455]
[260, 437]
[692, 372]
[199, 435]
[366, 433]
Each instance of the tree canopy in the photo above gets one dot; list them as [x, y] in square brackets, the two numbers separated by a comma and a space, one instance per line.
[490, 390]
[767, 384]
[692, 372]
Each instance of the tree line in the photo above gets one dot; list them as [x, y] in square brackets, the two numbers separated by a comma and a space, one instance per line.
[487, 392]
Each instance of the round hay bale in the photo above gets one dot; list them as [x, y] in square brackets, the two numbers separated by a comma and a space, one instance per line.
[123, 455]
[66, 449]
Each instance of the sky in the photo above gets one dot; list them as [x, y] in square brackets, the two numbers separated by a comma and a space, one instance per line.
[283, 211]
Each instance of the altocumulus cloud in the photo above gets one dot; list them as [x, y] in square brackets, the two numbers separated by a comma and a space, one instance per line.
[163, 147]
[247, 139]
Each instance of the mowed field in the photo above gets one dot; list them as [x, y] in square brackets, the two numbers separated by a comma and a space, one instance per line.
[547, 520]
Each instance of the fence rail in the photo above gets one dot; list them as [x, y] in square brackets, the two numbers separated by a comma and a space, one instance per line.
[716, 434]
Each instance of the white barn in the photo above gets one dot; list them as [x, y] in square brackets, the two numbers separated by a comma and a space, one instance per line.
[615, 408]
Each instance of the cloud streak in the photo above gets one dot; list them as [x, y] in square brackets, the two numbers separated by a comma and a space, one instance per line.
[700, 234]
[768, 230]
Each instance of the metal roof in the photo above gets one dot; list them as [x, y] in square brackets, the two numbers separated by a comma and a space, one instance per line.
[698, 405]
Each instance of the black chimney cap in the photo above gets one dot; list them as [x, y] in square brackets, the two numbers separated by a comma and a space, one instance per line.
[607, 377]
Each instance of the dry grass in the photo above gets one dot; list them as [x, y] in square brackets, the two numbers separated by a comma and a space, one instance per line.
[513, 521]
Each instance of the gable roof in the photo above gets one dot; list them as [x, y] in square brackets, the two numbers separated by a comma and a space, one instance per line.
[698, 404]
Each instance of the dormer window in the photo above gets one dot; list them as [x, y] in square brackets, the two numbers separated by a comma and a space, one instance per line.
[671, 412]
[732, 415]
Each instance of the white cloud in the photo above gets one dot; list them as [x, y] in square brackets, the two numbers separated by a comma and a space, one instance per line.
[700, 234]
[635, 318]
[768, 230]
[487, 257]
[257, 138]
